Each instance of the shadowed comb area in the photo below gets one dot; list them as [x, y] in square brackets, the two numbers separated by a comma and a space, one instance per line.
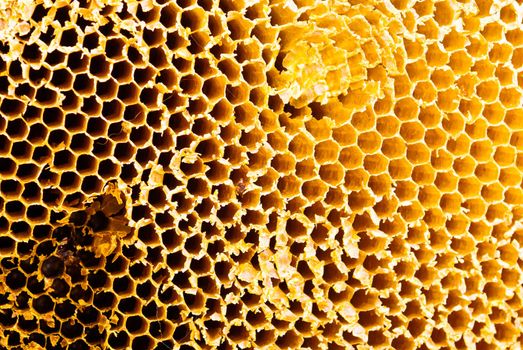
[275, 174]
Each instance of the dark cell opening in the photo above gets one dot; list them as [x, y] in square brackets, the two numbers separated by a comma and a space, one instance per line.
[174, 40]
[32, 53]
[43, 304]
[12, 107]
[114, 48]
[71, 100]
[57, 137]
[62, 15]
[15, 70]
[77, 61]
[46, 96]
[83, 84]
[36, 212]
[55, 57]
[99, 66]
[119, 340]
[104, 300]
[123, 285]
[91, 41]
[181, 333]
[80, 142]
[71, 330]
[143, 75]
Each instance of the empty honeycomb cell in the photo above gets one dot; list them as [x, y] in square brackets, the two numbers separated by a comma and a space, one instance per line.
[423, 174]
[446, 181]
[460, 62]
[488, 90]
[509, 176]
[510, 97]
[505, 75]
[400, 169]
[369, 142]
[406, 109]
[345, 135]
[393, 147]
[459, 146]
[464, 166]
[414, 49]
[500, 52]
[512, 119]
[387, 126]
[425, 91]
[418, 153]
[383, 106]
[487, 172]
[16, 129]
[373, 163]
[351, 157]
[314, 189]
[417, 70]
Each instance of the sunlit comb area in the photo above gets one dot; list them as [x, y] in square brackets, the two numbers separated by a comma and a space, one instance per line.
[240, 174]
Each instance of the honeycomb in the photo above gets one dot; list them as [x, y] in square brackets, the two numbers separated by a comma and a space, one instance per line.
[222, 174]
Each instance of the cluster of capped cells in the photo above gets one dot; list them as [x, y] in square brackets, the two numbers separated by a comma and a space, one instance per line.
[222, 174]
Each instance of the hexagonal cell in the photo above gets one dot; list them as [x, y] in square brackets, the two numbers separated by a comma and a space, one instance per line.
[351, 157]
[122, 71]
[369, 142]
[238, 93]
[230, 68]
[451, 203]
[448, 100]
[487, 172]
[446, 181]
[46, 97]
[460, 62]
[247, 50]
[510, 98]
[214, 88]
[417, 70]
[96, 127]
[17, 129]
[239, 27]
[77, 62]
[425, 91]
[400, 169]
[464, 166]
[314, 189]
[505, 75]
[459, 146]
[393, 147]
[504, 155]
[406, 108]
[510, 176]
[402, 86]
[387, 126]
[333, 174]
[373, 163]
[128, 93]
[488, 90]
[413, 48]
[436, 57]
[383, 106]
[62, 79]
[253, 73]
[360, 200]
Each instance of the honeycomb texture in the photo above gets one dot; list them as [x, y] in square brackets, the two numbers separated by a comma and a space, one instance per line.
[222, 174]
